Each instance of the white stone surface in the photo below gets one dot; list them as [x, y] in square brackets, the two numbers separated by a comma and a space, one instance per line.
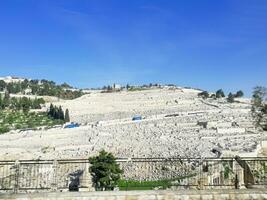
[106, 120]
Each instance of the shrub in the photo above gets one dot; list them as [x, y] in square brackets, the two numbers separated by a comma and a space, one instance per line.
[203, 94]
[220, 93]
[67, 116]
[259, 107]
[105, 171]
[230, 98]
[4, 129]
[239, 93]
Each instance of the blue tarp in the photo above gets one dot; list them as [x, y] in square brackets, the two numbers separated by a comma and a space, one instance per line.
[72, 126]
[137, 118]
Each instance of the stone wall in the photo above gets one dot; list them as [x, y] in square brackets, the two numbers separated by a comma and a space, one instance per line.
[147, 195]
[61, 175]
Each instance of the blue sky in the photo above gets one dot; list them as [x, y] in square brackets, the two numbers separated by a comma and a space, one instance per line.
[89, 43]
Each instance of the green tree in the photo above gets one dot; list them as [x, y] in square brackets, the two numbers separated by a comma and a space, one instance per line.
[36, 104]
[14, 103]
[1, 102]
[220, 93]
[104, 87]
[24, 84]
[203, 94]
[43, 87]
[67, 115]
[6, 100]
[105, 171]
[259, 107]
[2, 85]
[109, 88]
[239, 93]
[60, 113]
[41, 101]
[25, 104]
[51, 111]
[56, 114]
[65, 85]
[128, 86]
[230, 98]
[4, 129]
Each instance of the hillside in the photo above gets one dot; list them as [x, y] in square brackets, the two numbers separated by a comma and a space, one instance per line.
[175, 122]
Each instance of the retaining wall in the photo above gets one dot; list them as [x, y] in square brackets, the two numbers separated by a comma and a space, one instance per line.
[147, 195]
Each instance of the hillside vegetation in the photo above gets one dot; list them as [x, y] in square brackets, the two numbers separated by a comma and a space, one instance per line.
[41, 88]
[11, 120]
[23, 103]
[22, 113]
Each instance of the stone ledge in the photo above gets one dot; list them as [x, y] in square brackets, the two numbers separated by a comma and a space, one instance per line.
[146, 195]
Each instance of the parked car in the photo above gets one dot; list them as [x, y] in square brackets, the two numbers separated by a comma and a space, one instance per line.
[135, 118]
[72, 125]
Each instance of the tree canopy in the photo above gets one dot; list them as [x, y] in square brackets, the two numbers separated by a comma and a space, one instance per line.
[239, 93]
[56, 112]
[230, 98]
[21, 103]
[203, 94]
[105, 171]
[67, 115]
[259, 107]
[220, 93]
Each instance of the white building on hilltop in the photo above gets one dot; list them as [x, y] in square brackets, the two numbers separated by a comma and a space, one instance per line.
[10, 79]
[116, 87]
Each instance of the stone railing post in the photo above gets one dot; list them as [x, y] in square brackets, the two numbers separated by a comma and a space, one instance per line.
[86, 179]
[54, 176]
[201, 180]
[239, 176]
[16, 177]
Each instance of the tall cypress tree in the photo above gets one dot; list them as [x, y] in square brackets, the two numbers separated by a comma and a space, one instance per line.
[60, 113]
[220, 93]
[230, 98]
[51, 112]
[67, 116]
[1, 101]
[56, 113]
[6, 100]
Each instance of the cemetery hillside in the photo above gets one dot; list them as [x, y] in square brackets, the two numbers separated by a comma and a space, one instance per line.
[140, 99]
[129, 121]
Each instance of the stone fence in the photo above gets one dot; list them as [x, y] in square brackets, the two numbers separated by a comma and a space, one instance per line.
[176, 173]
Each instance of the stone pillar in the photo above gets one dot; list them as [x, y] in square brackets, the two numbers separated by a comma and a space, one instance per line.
[16, 177]
[222, 182]
[201, 179]
[201, 182]
[239, 171]
[86, 180]
[54, 176]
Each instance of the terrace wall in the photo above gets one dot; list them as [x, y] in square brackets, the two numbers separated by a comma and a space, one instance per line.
[146, 195]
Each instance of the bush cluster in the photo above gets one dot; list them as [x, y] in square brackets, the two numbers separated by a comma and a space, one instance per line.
[220, 94]
[13, 119]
